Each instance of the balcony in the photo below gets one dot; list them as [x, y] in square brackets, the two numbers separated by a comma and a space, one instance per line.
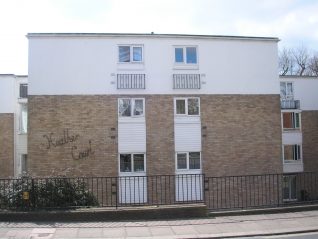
[186, 81]
[131, 81]
[289, 104]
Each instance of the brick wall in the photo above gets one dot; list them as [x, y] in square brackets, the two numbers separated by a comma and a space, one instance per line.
[240, 135]
[309, 124]
[6, 145]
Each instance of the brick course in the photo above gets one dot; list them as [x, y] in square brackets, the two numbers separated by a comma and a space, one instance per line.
[241, 134]
[309, 124]
[6, 145]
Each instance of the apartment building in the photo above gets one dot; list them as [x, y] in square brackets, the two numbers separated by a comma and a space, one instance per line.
[299, 104]
[13, 125]
[149, 104]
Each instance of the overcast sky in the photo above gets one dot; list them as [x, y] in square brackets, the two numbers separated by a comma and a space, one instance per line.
[295, 22]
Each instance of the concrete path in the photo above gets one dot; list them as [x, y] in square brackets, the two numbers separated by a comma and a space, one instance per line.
[226, 226]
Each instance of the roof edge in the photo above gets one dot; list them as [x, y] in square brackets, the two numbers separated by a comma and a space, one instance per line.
[93, 35]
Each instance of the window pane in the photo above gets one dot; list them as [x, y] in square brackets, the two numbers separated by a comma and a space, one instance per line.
[124, 107]
[287, 120]
[289, 89]
[194, 160]
[23, 90]
[139, 163]
[179, 55]
[297, 121]
[139, 107]
[137, 53]
[124, 53]
[180, 104]
[191, 55]
[296, 152]
[24, 118]
[286, 187]
[182, 161]
[125, 163]
[288, 152]
[283, 89]
[193, 106]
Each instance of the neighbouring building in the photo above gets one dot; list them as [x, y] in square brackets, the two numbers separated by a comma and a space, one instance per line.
[299, 104]
[13, 125]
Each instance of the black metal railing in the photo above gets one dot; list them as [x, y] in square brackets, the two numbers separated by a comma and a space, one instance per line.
[290, 104]
[218, 193]
[131, 81]
[186, 81]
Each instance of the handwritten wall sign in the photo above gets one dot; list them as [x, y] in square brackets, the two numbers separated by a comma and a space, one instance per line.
[77, 153]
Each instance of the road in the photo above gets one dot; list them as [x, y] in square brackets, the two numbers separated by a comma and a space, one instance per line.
[313, 235]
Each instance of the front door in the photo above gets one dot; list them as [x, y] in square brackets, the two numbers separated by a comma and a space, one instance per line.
[132, 178]
[188, 177]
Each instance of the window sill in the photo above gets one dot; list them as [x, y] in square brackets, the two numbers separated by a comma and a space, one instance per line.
[293, 161]
[22, 133]
[186, 67]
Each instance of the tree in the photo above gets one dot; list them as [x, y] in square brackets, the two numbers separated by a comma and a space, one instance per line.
[298, 61]
[313, 65]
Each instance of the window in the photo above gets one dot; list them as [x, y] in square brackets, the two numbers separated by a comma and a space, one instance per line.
[130, 54]
[286, 90]
[24, 163]
[291, 120]
[187, 106]
[188, 160]
[185, 55]
[23, 90]
[289, 187]
[131, 107]
[292, 153]
[132, 163]
[23, 118]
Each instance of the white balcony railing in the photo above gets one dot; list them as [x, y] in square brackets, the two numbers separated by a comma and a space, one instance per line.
[131, 81]
[186, 81]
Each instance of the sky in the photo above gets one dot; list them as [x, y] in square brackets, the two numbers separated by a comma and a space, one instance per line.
[294, 22]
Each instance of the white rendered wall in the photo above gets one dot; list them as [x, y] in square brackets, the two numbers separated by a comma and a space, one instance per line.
[305, 90]
[292, 138]
[7, 94]
[83, 65]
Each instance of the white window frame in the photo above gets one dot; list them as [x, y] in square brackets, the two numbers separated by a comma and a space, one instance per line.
[21, 131]
[184, 47]
[188, 161]
[131, 56]
[293, 120]
[132, 163]
[186, 106]
[132, 108]
[288, 161]
[290, 96]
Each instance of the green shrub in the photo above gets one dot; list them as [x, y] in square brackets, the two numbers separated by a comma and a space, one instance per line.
[46, 193]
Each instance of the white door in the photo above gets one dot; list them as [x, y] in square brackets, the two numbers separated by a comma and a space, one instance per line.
[189, 179]
[132, 178]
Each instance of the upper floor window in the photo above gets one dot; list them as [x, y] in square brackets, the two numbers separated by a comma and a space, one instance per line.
[291, 120]
[23, 91]
[132, 162]
[130, 53]
[187, 106]
[186, 55]
[131, 107]
[286, 90]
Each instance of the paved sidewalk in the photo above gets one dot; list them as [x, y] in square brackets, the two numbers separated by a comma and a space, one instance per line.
[227, 226]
